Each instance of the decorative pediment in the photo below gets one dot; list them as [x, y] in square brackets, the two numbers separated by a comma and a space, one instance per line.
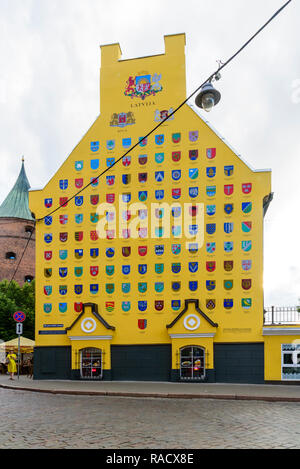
[192, 320]
[89, 324]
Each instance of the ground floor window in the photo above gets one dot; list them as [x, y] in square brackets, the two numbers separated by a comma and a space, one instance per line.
[192, 366]
[91, 363]
[290, 361]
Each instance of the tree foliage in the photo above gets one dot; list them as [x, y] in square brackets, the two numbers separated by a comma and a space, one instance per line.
[14, 297]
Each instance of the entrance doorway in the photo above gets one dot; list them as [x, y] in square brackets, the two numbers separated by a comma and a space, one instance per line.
[90, 363]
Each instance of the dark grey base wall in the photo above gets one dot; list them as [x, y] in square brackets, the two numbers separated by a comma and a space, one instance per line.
[52, 363]
[239, 363]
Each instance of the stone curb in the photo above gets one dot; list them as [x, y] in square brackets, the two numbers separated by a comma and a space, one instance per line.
[234, 397]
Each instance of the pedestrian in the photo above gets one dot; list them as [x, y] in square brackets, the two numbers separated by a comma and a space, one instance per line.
[11, 361]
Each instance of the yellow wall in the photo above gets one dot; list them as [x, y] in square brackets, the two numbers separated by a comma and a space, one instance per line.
[273, 350]
[235, 324]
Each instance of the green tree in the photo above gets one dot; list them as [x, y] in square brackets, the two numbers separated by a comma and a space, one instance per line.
[14, 297]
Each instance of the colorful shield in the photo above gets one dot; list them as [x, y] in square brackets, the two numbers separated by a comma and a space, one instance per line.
[110, 198]
[63, 307]
[78, 289]
[63, 271]
[94, 270]
[210, 247]
[110, 144]
[109, 306]
[246, 284]
[159, 249]
[63, 289]
[78, 306]
[48, 220]
[175, 304]
[159, 194]
[211, 303]
[176, 137]
[246, 226]
[126, 251]
[176, 267]
[228, 284]
[159, 305]
[142, 250]
[142, 268]
[48, 238]
[47, 307]
[228, 303]
[143, 159]
[159, 268]
[159, 287]
[94, 181]
[193, 285]
[176, 156]
[126, 160]
[246, 303]
[211, 153]
[126, 179]
[78, 218]
[110, 252]
[210, 228]
[63, 237]
[246, 265]
[143, 141]
[94, 199]
[78, 271]
[193, 155]
[142, 324]
[193, 248]
[210, 210]
[79, 183]
[63, 201]
[110, 180]
[193, 192]
[246, 246]
[211, 172]
[159, 139]
[63, 184]
[193, 173]
[210, 285]
[142, 177]
[176, 193]
[63, 219]
[126, 305]
[110, 162]
[159, 176]
[109, 288]
[47, 290]
[211, 266]
[142, 287]
[228, 170]
[176, 286]
[78, 200]
[211, 191]
[176, 249]
[126, 142]
[126, 197]
[176, 174]
[143, 196]
[110, 270]
[94, 235]
[142, 232]
[48, 272]
[228, 227]
[48, 255]
[246, 207]
[78, 236]
[228, 246]
[48, 202]
[142, 305]
[78, 253]
[126, 287]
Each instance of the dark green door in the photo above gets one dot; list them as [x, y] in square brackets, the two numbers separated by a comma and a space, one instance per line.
[141, 362]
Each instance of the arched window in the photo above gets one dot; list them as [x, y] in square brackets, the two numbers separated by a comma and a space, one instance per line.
[28, 278]
[91, 363]
[11, 255]
[192, 363]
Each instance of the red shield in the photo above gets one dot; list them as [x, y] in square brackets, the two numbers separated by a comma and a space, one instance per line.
[228, 189]
[110, 198]
[193, 210]
[78, 307]
[176, 193]
[79, 183]
[63, 219]
[63, 237]
[126, 251]
[143, 177]
[94, 199]
[210, 266]
[247, 188]
[78, 235]
[48, 255]
[246, 284]
[94, 270]
[94, 235]
[176, 155]
[143, 250]
[159, 305]
[63, 201]
[142, 323]
[110, 234]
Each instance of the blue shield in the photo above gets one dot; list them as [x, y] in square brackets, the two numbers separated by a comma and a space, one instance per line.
[210, 228]
[94, 146]
[159, 287]
[78, 253]
[48, 238]
[228, 246]
[78, 165]
[176, 286]
[110, 252]
[94, 288]
[228, 303]
[193, 285]
[95, 164]
[193, 267]
[79, 200]
[228, 170]
[63, 272]
[142, 268]
[94, 252]
[126, 197]
[126, 142]
[143, 196]
[210, 210]
[211, 172]
[48, 203]
[176, 174]
[193, 248]
[48, 220]
[47, 307]
[175, 304]
[193, 230]
[228, 227]
[159, 139]
[193, 192]
[63, 289]
[246, 207]
[63, 184]
[126, 178]
[78, 289]
[159, 194]
[210, 285]
[176, 212]
[110, 162]
[176, 267]
[193, 173]
[142, 305]
[126, 269]
[159, 249]
[159, 176]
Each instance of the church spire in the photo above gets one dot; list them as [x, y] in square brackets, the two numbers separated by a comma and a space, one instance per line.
[16, 203]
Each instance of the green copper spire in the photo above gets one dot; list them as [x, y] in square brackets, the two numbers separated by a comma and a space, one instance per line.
[16, 203]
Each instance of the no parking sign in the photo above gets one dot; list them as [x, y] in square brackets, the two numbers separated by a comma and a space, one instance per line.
[19, 316]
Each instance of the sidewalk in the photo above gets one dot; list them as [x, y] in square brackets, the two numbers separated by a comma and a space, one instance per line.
[263, 392]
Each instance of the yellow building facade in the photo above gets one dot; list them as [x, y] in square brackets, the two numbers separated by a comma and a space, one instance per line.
[152, 268]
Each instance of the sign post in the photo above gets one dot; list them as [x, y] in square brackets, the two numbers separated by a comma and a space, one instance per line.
[19, 317]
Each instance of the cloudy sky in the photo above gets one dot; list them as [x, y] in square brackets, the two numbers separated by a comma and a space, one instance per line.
[49, 92]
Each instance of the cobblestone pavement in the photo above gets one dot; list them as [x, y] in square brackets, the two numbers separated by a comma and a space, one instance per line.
[36, 420]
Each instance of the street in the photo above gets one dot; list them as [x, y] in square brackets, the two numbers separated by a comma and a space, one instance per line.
[40, 420]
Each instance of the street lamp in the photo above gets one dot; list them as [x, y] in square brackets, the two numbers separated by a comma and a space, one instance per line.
[208, 97]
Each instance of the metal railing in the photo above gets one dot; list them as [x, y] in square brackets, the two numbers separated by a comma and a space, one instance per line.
[281, 315]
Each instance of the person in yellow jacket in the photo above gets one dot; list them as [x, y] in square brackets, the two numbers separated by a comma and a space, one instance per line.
[11, 360]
